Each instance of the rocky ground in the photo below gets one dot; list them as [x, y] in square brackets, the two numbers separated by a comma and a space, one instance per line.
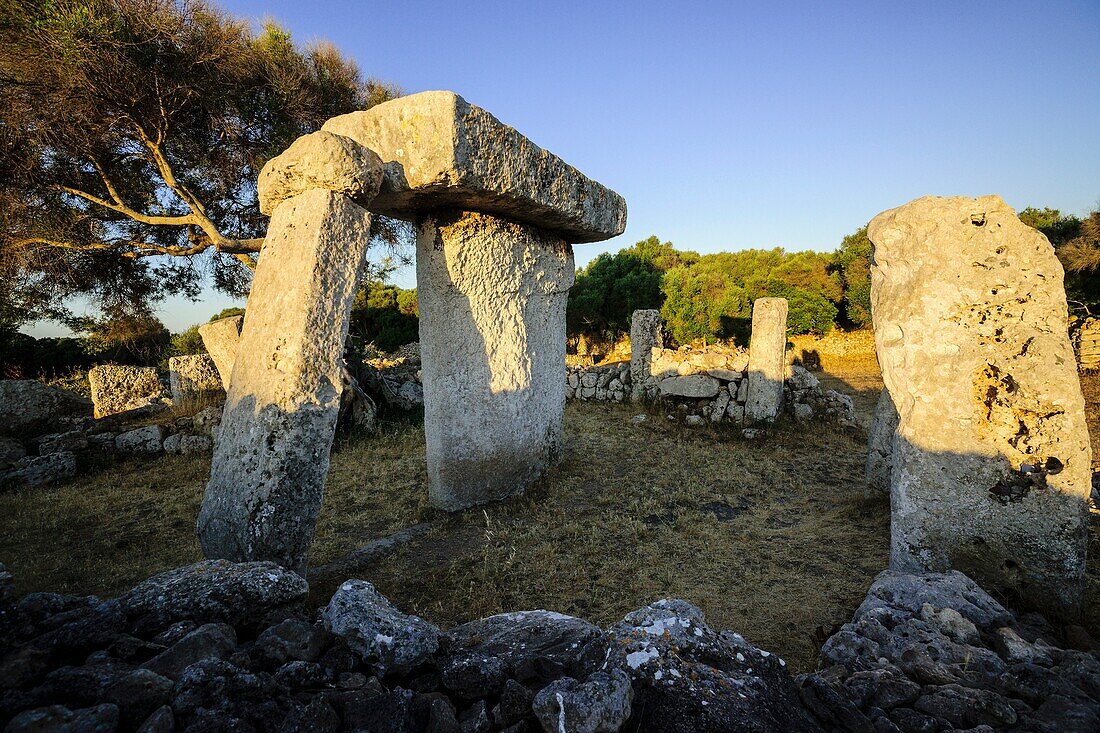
[218, 646]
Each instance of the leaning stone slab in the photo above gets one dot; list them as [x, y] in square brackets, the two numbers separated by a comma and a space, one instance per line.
[320, 160]
[767, 359]
[992, 463]
[117, 388]
[221, 338]
[268, 470]
[29, 408]
[194, 377]
[646, 333]
[441, 151]
[880, 444]
[492, 325]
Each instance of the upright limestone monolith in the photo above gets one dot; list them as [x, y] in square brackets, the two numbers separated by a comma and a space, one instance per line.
[767, 359]
[646, 333]
[492, 297]
[221, 338]
[880, 444]
[272, 454]
[991, 460]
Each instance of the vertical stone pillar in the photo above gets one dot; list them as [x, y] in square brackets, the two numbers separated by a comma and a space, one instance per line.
[880, 444]
[991, 459]
[272, 454]
[646, 333]
[492, 296]
[767, 359]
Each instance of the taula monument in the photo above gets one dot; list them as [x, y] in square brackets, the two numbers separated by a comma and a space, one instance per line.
[496, 217]
[989, 465]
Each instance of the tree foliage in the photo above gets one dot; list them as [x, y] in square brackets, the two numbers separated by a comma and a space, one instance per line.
[383, 315]
[852, 263]
[131, 134]
[1077, 244]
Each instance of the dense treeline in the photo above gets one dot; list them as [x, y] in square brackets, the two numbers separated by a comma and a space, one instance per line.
[710, 296]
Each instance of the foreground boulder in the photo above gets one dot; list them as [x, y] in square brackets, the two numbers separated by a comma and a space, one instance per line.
[29, 408]
[117, 388]
[214, 590]
[991, 461]
[687, 677]
[933, 651]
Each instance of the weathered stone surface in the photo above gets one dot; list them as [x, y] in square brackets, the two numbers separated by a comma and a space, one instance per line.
[320, 160]
[194, 377]
[646, 333]
[149, 439]
[29, 408]
[687, 677]
[221, 338]
[272, 454]
[767, 359]
[117, 388]
[11, 450]
[992, 466]
[42, 470]
[700, 386]
[600, 704]
[70, 441]
[209, 641]
[438, 150]
[492, 299]
[377, 631]
[214, 591]
[880, 443]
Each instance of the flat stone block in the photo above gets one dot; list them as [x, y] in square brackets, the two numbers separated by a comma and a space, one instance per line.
[440, 151]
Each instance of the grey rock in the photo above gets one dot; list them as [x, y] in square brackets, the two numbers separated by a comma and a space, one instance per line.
[172, 444]
[205, 421]
[696, 386]
[904, 594]
[148, 440]
[992, 464]
[1016, 650]
[138, 695]
[379, 633]
[472, 675]
[965, 707]
[320, 160]
[209, 641]
[687, 677]
[42, 470]
[11, 450]
[439, 151]
[291, 639]
[29, 408]
[269, 465]
[240, 594]
[536, 646]
[58, 719]
[880, 443]
[161, 721]
[803, 412]
[646, 333]
[191, 444]
[72, 440]
[600, 704]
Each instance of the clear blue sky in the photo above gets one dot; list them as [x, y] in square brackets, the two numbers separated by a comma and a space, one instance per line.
[731, 125]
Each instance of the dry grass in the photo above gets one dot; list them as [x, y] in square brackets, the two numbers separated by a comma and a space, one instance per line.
[774, 539]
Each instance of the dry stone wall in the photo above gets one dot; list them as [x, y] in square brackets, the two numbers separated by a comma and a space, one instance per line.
[1086, 343]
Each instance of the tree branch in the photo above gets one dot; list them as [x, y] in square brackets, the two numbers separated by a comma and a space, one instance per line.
[140, 249]
[176, 221]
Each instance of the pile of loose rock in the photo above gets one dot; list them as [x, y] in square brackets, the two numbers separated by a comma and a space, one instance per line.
[707, 384]
[397, 377]
[934, 652]
[225, 646]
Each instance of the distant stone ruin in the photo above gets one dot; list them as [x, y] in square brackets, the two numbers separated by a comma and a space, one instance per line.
[991, 462]
[646, 334]
[495, 218]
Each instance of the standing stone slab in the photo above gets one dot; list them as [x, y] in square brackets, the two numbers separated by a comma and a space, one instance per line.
[269, 465]
[767, 359]
[646, 333]
[221, 338]
[992, 461]
[194, 377]
[492, 332]
[118, 388]
[880, 444]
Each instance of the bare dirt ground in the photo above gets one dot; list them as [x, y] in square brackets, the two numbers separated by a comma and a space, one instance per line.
[773, 539]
